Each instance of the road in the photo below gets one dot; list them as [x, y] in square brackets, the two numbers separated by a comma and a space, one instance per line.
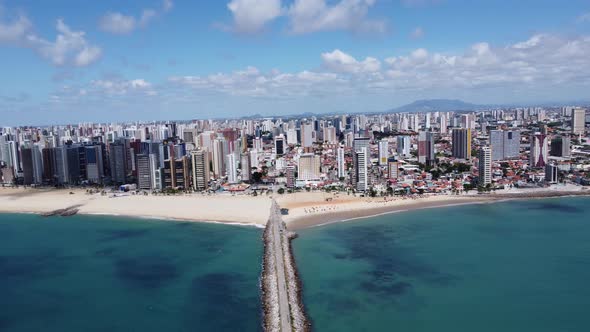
[276, 227]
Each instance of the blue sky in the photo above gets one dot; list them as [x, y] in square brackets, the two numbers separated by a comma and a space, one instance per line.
[71, 61]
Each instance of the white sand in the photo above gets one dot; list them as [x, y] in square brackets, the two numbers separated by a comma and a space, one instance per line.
[196, 207]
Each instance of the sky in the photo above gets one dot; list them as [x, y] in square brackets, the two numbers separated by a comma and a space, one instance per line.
[69, 61]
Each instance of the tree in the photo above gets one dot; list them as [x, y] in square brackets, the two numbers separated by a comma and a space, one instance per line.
[256, 177]
[281, 191]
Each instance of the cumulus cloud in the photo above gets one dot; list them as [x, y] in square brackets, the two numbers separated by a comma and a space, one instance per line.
[304, 16]
[344, 63]
[70, 47]
[315, 15]
[121, 24]
[250, 16]
[541, 63]
[15, 31]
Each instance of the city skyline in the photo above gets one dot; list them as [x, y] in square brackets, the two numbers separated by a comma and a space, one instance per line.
[168, 59]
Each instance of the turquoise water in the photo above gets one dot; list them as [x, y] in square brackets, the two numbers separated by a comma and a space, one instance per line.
[514, 266]
[86, 273]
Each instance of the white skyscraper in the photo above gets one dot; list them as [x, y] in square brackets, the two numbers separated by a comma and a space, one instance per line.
[309, 167]
[403, 145]
[361, 160]
[254, 158]
[485, 166]
[578, 120]
[232, 168]
[341, 162]
[443, 123]
[383, 152]
[306, 135]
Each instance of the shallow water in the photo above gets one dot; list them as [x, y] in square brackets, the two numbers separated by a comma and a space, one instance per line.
[513, 266]
[98, 273]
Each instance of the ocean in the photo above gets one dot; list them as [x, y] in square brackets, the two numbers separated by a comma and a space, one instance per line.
[513, 266]
[99, 273]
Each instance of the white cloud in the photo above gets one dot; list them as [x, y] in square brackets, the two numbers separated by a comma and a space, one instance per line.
[316, 15]
[339, 61]
[250, 16]
[304, 16]
[69, 48]
[417, 33]
[118, 23]
[11, 32]
[547, 66]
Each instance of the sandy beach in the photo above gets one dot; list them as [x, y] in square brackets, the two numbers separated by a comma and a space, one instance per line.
[219, 208]
[305, 209]
[317, 208]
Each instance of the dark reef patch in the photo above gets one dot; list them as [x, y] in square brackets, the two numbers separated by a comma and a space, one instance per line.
[551, 206]
[390, 263]
[120, 234]
[215, 304]
[34, 266]
[146, 271]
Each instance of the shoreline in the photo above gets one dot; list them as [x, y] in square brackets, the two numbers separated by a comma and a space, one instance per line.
[305, 209]
[299, 221]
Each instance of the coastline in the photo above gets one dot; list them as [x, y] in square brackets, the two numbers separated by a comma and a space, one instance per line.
[325, 213]
[305, 209]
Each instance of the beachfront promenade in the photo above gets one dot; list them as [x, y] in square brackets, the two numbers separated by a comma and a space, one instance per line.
[283, 309]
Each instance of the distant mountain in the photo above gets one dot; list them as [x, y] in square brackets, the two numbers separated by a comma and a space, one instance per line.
[431, 105]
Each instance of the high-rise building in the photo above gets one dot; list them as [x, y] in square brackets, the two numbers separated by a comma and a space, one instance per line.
[341, 162]
[330, 135]
[551, 173]
[309, 167]
[560, 146]
[49, 166]
[392, 168]
[505, 144]
[426, 147]
[94, 164]
[280, 145]
[290, 174]
[383, 152]
[27, 165]
[144, 176]
[117, 159]
[220, 151]
[443, 124]
[61, 164]
[578, 120]
[246, 167]
[485, 165]
[200, 168]
[176, 173]
[232, 168]
[461, 143]
[306, 135]
[538, 153]
[361, 142]
[156, 172]
[403, 145]
[292, 136]
[360, 177]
